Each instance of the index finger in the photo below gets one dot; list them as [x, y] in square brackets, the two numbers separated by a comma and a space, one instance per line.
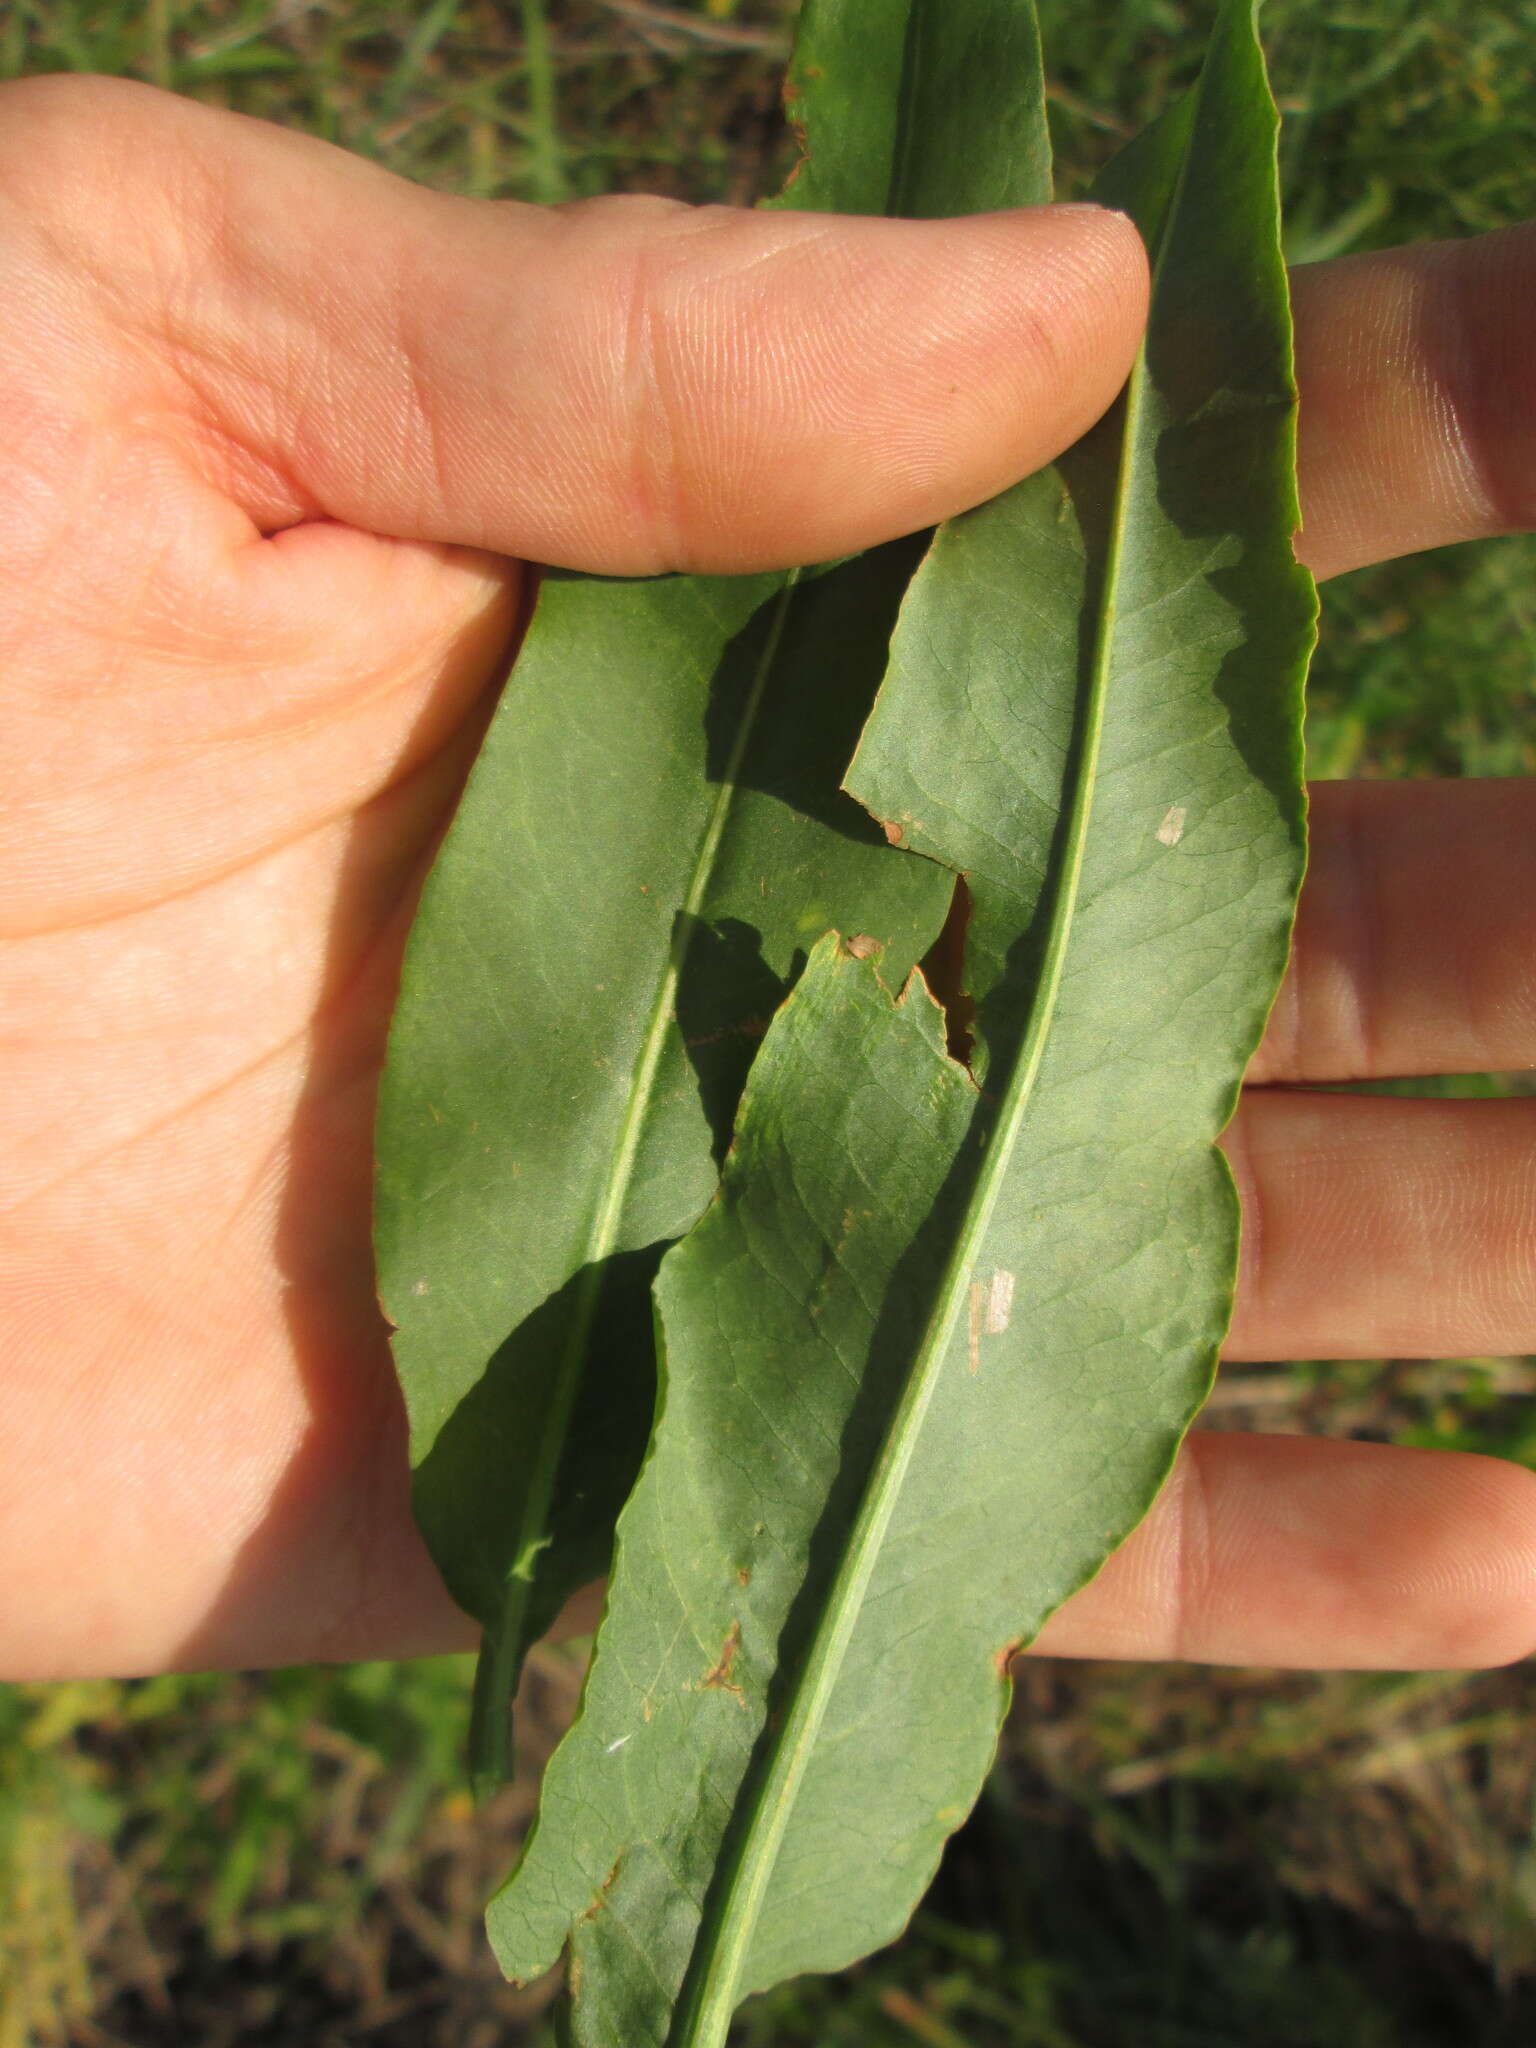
[1418, 402]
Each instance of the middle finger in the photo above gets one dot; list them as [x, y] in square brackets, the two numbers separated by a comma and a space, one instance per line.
[1415, 949]
[1375, 1227]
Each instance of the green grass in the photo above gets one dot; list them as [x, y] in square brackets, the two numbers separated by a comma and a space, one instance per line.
[1165, 1858]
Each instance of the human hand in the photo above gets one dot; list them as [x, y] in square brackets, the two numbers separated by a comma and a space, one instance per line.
[279, 428]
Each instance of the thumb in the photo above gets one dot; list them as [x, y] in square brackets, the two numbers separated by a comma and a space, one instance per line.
[620, 385]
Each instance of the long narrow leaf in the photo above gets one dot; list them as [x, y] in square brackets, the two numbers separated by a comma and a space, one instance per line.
[648, 842]
[931, 1353]
[652, 839]
[653, 836]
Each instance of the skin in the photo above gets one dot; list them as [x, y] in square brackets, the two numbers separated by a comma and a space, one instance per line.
[279, 431]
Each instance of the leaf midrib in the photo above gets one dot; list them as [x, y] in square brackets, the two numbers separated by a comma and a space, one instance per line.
[724, 1939]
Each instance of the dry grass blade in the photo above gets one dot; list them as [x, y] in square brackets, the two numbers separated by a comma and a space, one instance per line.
[720, 35]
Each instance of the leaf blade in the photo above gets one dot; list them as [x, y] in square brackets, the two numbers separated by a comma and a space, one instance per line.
[517, 1520]
[640, 769]
[921, 108]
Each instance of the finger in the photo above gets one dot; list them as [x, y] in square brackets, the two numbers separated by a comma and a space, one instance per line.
[1375, 1227]
[1418, 410]
[1415, 948]
[1290, 1551]
[624, 386]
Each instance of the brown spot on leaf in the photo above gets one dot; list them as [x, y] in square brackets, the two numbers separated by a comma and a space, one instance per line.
[893, 832]
[719, 1679]
[862, 946]
[743, 1577]
[600, 1899]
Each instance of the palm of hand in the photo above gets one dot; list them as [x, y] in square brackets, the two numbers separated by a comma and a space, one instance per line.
[228, 758]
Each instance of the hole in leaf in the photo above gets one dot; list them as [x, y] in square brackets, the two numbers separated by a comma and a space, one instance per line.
[943, 967]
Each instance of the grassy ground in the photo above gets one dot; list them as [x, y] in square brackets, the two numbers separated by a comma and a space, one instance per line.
[1165, 1858]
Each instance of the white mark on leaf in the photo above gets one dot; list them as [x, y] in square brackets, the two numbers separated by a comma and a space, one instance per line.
[614, 1747]
[991, 1308]
[1171, 830]
[999, 1303]
[420, 1287]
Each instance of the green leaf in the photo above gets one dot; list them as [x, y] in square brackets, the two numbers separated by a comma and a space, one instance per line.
[923, 108]
[774, 1401]
[931, 1352]
[652, 838]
